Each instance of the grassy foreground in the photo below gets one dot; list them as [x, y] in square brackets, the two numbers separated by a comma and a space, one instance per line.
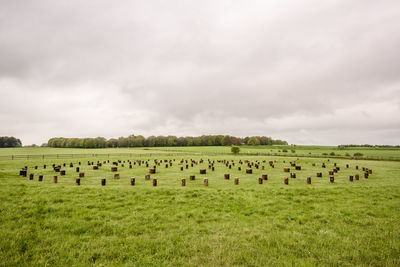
[342, 223]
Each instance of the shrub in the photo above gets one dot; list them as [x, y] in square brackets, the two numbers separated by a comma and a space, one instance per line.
[284, 150]
[235, 149]
[358, 154]
[293, 151]
[332, 154]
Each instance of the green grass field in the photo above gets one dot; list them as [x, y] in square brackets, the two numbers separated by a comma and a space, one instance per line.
[271, 224]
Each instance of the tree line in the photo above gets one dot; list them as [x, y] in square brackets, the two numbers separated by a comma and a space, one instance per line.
[9, 141]
[161, 141]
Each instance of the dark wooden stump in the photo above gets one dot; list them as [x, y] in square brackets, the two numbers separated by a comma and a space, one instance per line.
[154, 182]
[147, 177]
[298, 168]
[55, 179]
[226, 176]
[366, 175]
[260, 180]
[78, 181]
[31, 176]
[133, 181]
[332, 179]
[357, 176]
[103, 181]
[351, 178]
[40, 178]
[114, 169]
[286, 169]
[116, 176]
[203, 171]
[192, 177]
[264, 176]
[152, 171]
[205, 181]
[183, 182]
[236, 181]
[249, 171]
[181, 168]
[81, 174]
[62, 172]
[292, 175]
[286, 181]
[77, 169]
[319, 174]
[308, 180]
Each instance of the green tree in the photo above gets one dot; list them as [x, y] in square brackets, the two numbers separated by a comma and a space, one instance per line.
[235, 150]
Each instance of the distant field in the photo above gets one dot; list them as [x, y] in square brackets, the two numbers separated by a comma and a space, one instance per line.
[375, 153]
[271, 224]
[309, 151]
[50, 150]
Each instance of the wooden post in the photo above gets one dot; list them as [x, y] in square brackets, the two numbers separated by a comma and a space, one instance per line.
[286, 169]
[236, 181]
[332, 179]
[55, 179]
[260, 180]
[133, 181]
[181, 168]
[205, 181]
[203, 171]
[153, 170]
[319, 174]
[366, 175]
[154, 181]
[81, 174]
[264, 176]
[192, 177]
[351, 178]
[183, 182]
[308, 180]
[40, 178]
[249, 171]
[357, 176]
[226, 176]
[286, 181]
[77, 169]
[78, 181]
[103, 181]
[239, 168]
[31, 176]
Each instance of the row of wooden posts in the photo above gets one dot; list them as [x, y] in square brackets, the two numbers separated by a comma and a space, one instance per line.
[264, 177]
[229, 164]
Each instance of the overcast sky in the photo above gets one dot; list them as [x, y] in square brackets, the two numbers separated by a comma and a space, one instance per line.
[309, 72]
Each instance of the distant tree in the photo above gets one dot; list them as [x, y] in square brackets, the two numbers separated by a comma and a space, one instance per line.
[152, 141]
[227, 141]
[235, 150]
[253, 141]
[10, 141]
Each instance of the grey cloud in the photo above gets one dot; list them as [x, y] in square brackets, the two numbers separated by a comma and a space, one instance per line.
[304, 71]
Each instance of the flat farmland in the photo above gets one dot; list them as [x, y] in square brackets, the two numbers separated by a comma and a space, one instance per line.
[249, 224]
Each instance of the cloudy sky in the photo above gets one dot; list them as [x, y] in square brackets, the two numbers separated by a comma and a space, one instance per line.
[309, 72]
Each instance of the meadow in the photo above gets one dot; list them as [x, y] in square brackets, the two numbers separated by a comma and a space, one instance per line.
[250, 224]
